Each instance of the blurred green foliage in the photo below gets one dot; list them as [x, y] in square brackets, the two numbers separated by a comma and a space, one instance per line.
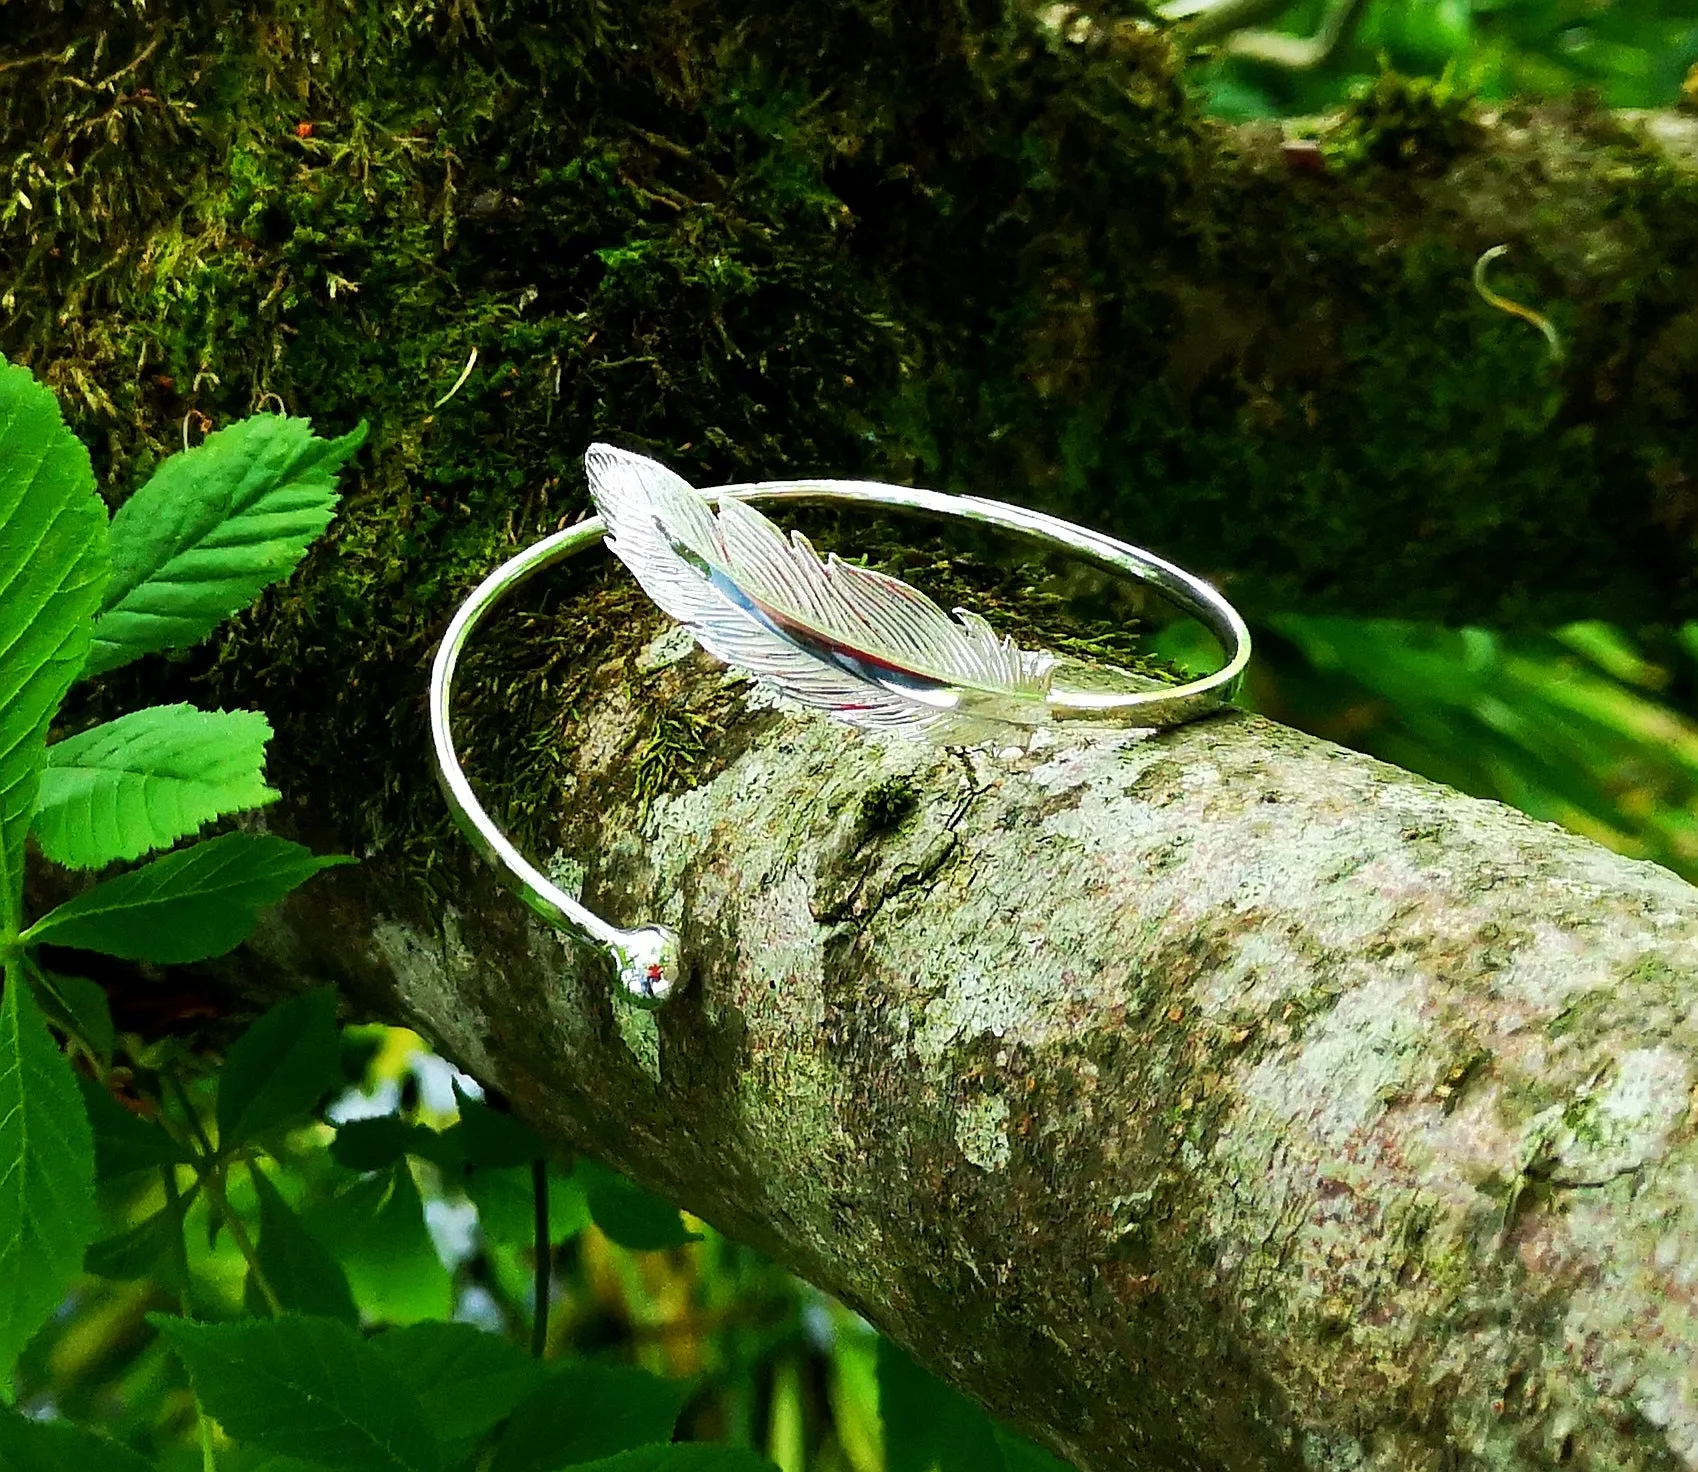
[376, 1189]
[1591, 726]
[1585, 726]
[1633, 53]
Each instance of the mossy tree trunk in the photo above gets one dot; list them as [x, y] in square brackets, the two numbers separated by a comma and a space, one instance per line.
[1223, 1102]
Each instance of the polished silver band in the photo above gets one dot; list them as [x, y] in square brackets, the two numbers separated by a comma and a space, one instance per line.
[648, 959]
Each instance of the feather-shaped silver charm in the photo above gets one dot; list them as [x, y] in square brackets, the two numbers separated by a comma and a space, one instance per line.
[860, 644]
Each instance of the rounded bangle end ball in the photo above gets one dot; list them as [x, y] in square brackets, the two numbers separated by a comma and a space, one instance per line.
[860, 645]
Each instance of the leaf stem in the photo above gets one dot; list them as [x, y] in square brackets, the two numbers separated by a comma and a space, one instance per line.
[208, 1462]
[179, 1249]
[66, 1022]
[175, 1084]
[544, 1259]
[213, 1177]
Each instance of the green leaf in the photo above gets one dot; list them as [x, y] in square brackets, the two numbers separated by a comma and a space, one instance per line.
[145, 780]
[304, 1387]
[927, 1425]
[491, 1138]
[588, 1411]
[506, 1203]
[78, 1006]
[191, 905]
[47, 1213]
[124, 1142]
[213, 527]
[629, 1215]
[377, 1144]
[299, 1268]
[151, 1249]
[377, 1230]
[691, 1457]
[29, 1445]
[568, 1206]
[279, 1068]
[467, 1380]
[52, 568]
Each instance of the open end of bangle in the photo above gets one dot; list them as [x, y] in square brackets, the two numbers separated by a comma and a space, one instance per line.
[649, 963]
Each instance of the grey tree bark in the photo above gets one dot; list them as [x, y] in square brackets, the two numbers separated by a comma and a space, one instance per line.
[1214, 1100]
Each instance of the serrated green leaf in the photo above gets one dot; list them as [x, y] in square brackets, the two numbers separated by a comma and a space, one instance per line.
[52, 570]
[190, 905]
[299, 1268]
[377, 1229]
[213, 527]
[286, 1061]
[629, 1215]
[306, 1387]
[691, 1457]
[47, 1213]
[29, 1445]
[587, 1411]
[123, 1142]
[466, 1379]
[145, 780]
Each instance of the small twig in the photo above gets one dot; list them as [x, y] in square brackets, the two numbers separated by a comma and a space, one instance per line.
[459, 382]
[17, 61]
[175, 1085]
[1514, 308]
[213, 1177]
[660, 141]
[140, 57]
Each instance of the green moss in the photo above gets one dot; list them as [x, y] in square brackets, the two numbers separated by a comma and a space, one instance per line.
[886, 804]
[959, 246]
[673, 744]
[1401, 122]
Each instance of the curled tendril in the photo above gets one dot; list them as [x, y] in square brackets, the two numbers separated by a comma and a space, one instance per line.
[459, 383]
[1515, 309]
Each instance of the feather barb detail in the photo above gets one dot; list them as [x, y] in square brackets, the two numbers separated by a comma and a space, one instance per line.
[840, 638]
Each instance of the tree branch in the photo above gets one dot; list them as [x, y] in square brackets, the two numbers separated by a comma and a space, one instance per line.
[1220, 1100]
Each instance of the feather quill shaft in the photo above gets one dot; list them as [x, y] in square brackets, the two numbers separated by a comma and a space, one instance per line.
[857, 643]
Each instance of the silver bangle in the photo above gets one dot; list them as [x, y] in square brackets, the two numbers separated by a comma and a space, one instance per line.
[663, 530]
